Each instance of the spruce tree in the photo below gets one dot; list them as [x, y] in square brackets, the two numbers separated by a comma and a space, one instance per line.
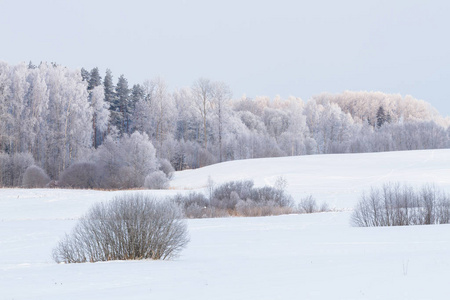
[85, 75]
[108, 85]
[121, 106]
[381, 117]
[94, 79]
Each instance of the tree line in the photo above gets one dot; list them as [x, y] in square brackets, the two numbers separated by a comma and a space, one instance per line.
[53, 117]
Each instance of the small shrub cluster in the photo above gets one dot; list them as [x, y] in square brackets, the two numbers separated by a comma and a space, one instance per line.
[196, 206]
[397, 205]
[236, 198]
[120, 164]
[130, 227]
[308, 205]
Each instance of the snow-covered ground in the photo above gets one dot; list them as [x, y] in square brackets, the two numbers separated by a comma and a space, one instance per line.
[337, 179]
[318, 256]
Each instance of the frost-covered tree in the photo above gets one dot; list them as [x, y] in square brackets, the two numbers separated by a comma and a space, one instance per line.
[220, 104]
[5, 84]
[69, 129]
[202, 92]
[36, 112]
[17, 105]
[294, 141]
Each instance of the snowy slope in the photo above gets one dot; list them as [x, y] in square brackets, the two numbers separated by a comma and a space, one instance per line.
[337, 179]
[315, 256]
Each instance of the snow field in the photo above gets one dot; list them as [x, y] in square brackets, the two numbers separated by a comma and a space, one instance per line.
[317, 256]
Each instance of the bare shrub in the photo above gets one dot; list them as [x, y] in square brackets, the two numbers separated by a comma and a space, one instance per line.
[267, 194]
[129, 227]
[324, 207]
[307, 205]
[81, 175]
[281, 183]
[35, 177]
[396, 205]
[156, 181]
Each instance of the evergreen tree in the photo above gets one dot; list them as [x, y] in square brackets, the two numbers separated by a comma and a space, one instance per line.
[94, 79]
[31, 66]
[381, 117]
[108, 86]
[85, 75]
[109, 95]
[121, 106]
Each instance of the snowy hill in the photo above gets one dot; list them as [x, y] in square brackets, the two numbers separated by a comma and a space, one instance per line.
[316, 256]
[337, 179]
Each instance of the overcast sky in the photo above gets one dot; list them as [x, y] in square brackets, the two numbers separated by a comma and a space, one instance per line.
[298, 48]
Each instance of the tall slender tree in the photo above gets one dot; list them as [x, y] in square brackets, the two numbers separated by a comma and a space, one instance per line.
[203, 94]
[109, 94]
[221, 95]
[121, 106]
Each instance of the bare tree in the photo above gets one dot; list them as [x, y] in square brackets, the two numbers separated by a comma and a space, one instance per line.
[203, 94]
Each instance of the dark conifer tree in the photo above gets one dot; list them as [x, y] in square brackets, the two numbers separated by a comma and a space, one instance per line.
[94, 79]
[121, 106]
[381, 117]
[31, 65]
[108, 85]
[137, 94]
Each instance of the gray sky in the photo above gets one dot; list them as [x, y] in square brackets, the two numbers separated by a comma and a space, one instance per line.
[298, 48]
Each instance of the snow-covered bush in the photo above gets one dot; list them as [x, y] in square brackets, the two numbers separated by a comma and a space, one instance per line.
[125, 162]
[35, 177]
[156, 181]
[82, 175]
[196, 205]
[130, 227]
[166, 167]
[396, 205]
[222, 194]
[237, 198]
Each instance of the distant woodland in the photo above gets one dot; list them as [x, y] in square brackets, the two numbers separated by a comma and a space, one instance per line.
[83, 129]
